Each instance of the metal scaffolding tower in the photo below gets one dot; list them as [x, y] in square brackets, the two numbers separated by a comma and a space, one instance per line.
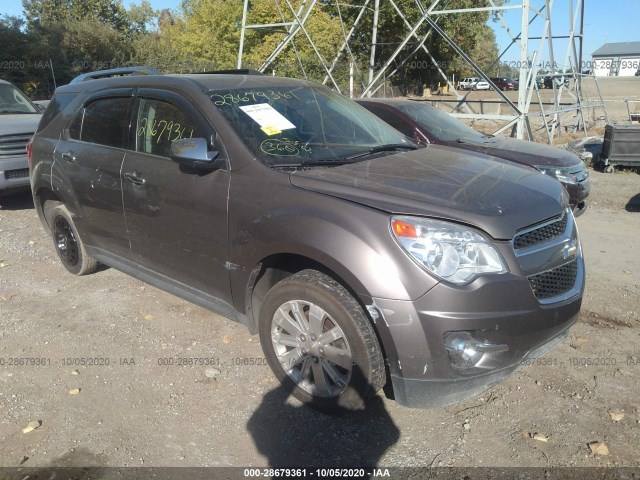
[418, 31]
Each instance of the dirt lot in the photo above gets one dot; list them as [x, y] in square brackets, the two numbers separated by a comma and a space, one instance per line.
[137, 412]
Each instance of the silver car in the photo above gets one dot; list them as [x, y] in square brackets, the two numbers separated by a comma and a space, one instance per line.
[19, 118]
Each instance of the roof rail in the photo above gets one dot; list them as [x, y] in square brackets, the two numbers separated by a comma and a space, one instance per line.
[115, 72]
[242, 71]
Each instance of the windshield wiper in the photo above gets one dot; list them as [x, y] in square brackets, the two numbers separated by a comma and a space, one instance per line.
[389, 147]
[320, 163]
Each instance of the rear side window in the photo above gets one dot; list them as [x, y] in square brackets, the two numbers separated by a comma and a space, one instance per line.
[57, 104]
[393, 120]
[103, 122]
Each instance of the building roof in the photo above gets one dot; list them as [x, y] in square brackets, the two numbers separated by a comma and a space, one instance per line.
[618, 49]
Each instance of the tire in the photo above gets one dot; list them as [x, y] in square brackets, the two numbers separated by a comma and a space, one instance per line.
[290, 337]
[67, 243]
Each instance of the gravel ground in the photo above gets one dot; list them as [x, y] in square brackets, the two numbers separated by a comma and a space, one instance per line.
[131, 410]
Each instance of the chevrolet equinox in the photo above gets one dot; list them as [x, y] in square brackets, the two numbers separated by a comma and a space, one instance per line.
[358, 257]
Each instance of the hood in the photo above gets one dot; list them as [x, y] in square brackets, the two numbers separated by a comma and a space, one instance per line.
[525, 152]
[12, 123]
[447, 183]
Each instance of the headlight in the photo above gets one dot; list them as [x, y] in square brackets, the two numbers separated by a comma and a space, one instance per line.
[560, 174]
[451, 252]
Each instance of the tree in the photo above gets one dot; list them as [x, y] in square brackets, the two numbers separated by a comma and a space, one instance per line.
[469, 30]
[109, 12]
[208, 31]
[82, 35]
[75, 36]
[160, 49]
[13, 40]
[13, 54]
[300, 57]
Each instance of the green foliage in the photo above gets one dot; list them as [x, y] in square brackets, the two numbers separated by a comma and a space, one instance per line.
[82, 35]
[208, 31]
[469, 31]
[13, 41]
[299, 58]
[109, 12]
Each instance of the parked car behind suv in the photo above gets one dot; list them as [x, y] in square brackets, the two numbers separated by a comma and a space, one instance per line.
[18, 121]
[505, 83]
[358, 257]
[427, 124]
[468, 83]
[474, 83]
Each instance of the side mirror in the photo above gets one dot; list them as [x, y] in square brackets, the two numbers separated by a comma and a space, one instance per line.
[194, 153]
[42, 108]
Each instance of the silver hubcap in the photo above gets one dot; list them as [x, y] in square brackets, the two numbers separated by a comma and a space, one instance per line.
[311, 348]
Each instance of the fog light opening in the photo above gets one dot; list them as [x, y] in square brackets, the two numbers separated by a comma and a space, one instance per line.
[465, 351]
[461, 348]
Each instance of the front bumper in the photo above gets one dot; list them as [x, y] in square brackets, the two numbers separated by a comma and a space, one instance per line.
[440, 393]
[456, 341]
[14, 173]
[579, 191]
[578, 194]
[421, 371]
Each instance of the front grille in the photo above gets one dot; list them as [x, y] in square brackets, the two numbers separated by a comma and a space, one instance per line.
[20, 173]
[14, 144]
[546, 231]
[554, 282]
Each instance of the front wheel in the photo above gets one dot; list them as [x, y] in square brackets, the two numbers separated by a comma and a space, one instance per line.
[319, 342]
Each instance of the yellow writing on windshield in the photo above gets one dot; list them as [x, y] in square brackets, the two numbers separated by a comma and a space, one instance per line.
[283, 147]
[256, 96]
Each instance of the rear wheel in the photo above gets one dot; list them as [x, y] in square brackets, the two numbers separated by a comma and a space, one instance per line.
[68, 245]
[319, 342]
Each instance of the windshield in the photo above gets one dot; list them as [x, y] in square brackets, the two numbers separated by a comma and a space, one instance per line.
[440, 124]
[300, 124]
[13, 100]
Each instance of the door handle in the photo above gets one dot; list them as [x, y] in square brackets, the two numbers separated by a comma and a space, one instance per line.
[135, 178]
[69, 157]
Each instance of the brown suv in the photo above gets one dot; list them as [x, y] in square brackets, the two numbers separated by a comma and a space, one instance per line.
[359, 258]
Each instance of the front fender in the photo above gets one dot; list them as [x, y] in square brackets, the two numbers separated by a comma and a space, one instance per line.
[353, 241]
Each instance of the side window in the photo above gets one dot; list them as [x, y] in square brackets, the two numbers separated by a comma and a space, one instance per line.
[393, 120]
[75, 129]
[105, 122]
[160, 123]
[57, 104]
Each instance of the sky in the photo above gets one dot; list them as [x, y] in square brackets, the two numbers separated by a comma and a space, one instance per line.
[605, 21]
